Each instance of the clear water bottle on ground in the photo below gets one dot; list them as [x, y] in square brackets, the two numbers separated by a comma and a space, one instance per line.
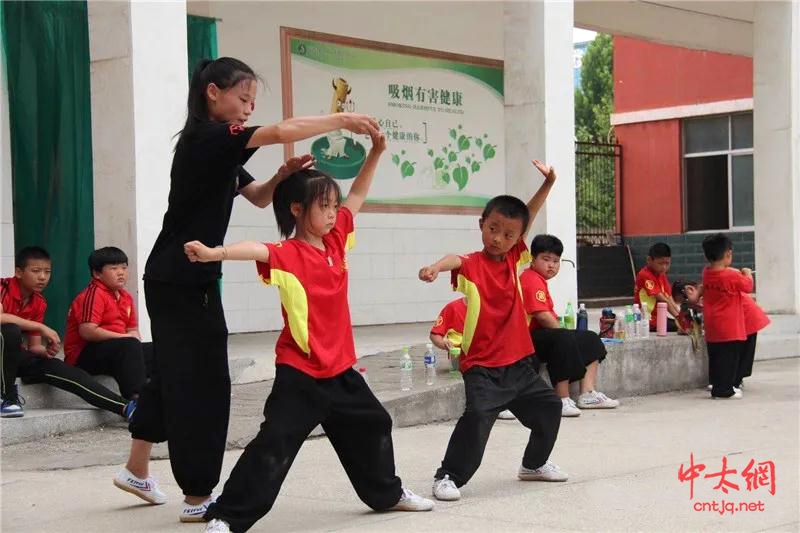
[629, 325]
[406, 367]
[583, 319]
[430, 364]
[644, 327]
[637, 321]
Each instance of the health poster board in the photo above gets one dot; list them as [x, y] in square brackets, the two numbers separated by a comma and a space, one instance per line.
[442, 114]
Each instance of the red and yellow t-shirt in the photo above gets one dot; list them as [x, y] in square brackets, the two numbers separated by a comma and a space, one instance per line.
[317, 336]
[99, 305]
[495, 326]
[450, 322]
[724, 292]
[14, 304]
[536, 296]
[648, 285]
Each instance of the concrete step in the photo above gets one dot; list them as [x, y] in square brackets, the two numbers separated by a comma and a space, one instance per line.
[783, 325]
[40, 423]
[777, 346]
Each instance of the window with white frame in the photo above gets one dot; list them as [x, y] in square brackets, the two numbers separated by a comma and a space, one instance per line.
[718, 172]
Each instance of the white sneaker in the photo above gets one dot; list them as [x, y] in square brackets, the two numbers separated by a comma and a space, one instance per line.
[412, 502]
[710, 386]
[737, 395]
[596, 400]
[218, 526]
[547, 472]
[506, 415]
[146, 489]
[568, 408]
[444, 489]
[195, 513]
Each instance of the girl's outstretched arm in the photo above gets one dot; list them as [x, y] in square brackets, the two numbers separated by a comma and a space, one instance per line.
[299, 128]
[358, 191]
[260, 193]
[197, 252]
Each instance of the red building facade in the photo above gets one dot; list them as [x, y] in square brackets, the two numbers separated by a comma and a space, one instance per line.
[684, 120]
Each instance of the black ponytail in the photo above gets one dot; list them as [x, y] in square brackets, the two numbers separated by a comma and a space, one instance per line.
[224, 72]
[304, 187]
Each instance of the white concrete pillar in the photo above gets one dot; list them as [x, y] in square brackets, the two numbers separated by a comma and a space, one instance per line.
[776, 130]
[139, 88]
[540, 120]
[6, 192]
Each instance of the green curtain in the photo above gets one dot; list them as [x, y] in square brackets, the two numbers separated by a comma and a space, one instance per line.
[46, 47]
[201, 36]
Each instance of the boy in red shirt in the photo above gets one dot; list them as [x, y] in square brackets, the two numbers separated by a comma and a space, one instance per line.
[570, 355]
[652, 285]
[496, 347]
[30, 347]
[731, 318]
[448, 331]
[102, 332]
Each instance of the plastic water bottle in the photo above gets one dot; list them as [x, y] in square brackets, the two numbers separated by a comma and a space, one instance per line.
[363, 372]
[619, 325]
[583, 319]
[644, 327]
[430, 364]
[637, 321]
[630, 331]
[406, 367]
[455, 359]
[569, 317]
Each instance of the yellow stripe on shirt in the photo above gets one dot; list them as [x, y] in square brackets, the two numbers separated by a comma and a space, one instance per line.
[295, 302]
[470, 290]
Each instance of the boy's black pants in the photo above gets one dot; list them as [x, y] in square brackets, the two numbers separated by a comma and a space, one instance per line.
[488, 391]
[187, 400]
[122, 359]
[18, 362]
[729, 363]
[355, 422]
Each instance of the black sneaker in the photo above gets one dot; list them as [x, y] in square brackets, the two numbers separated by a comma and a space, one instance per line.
[11, 406]
[129, 409]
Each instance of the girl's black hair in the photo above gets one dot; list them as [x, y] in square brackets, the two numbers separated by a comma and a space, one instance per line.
[224, 72]
[304, 187]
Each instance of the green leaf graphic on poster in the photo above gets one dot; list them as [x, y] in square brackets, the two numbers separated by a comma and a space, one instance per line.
[475, 167]
[430, 152]
[478, 142]
[461, 176]
[452, 156]
[488, 152]
[438, 162]
[407, 169]
[453, 134]
[463, 143]
[395, 159]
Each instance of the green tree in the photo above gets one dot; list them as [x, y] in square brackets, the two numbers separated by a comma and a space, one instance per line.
[595, 195]
[594, 99]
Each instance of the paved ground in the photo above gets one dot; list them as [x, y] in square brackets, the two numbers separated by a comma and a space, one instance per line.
[623, 464]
